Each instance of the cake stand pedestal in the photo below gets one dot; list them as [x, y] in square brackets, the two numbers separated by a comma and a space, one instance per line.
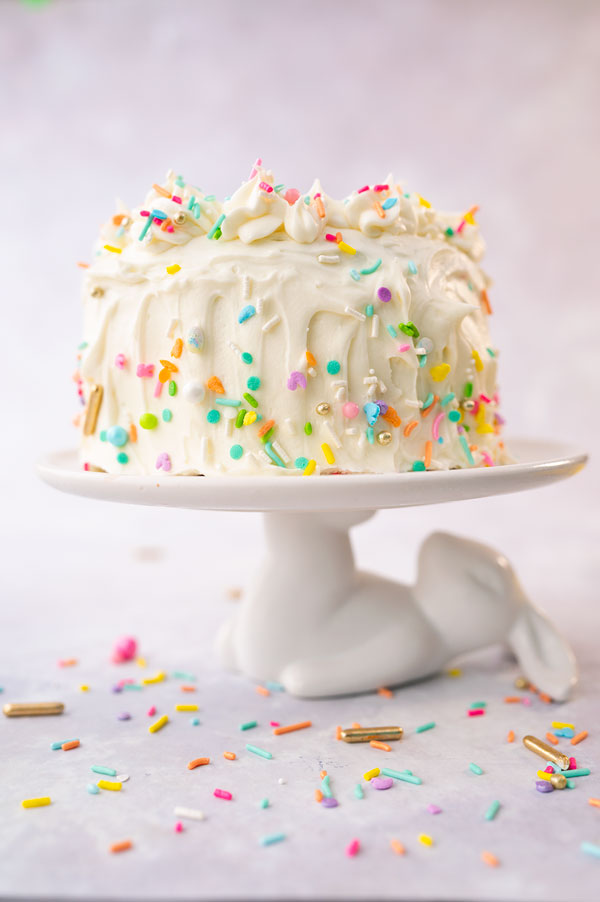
[319, 626]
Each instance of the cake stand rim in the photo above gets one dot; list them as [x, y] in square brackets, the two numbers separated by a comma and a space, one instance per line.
[553, 461]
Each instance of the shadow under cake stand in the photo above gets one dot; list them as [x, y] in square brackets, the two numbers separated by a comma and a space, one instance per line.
[319, 626]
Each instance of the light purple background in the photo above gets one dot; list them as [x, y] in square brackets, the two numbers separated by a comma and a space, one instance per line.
[492, 103]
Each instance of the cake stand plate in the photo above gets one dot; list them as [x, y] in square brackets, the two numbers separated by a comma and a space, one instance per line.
[314, 623]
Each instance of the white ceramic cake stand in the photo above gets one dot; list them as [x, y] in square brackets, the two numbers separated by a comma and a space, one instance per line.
[316, 624]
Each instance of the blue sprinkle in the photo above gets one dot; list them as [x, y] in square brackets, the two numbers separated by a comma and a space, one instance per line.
[93, 789]
[307, 199]
[274, 457]
[355, 275]
[422, 360]
[247, 312]
[216, 226]
[466, 449]
[236, 451]
[392, 330]
[191, 202]
[158, 214]
[117, 436]
[167, 415]
[213, 416]
[147, 225]
[197, 211]
[122, 458]
[369, 310]
[272, 839]
[121, 231]
[372, 412]
[179, 181]
[454, 416]
[389, 202]
[195, 721]
[590, 849]
[371, 269]
[274, 687]
[412, 268]
[428, 401]
[228, 402]
[103, 435]
[447, 398]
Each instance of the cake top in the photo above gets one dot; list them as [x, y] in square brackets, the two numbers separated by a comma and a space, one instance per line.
[176, 212]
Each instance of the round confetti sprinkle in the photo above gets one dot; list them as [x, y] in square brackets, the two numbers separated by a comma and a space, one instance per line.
[301, 463]
[122, 458]
[333, 367]
[384, 294]
[117, 436]
[350, 410]
[247, 358]
[253, 383]
[213, 416]
[454, 416]
[418, 465]
[167, 415]
[148, 421]
[236, 451]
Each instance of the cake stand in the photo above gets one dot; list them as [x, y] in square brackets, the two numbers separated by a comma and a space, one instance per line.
[320, 627]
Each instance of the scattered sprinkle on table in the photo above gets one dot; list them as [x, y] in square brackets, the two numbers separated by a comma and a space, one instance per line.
[36, 803]
[198, 762]
[353, 848]
[489, 859]
[291, 728]
[492, 811]
[107, 771]
[192, 813]
[249, 725]
[121, 846]
[107, 784]
[425, 840]
[426, 726]
[159, 724]
[262, 753]
[223, 794]
[272, 839]
[475, 768]
[579, 738]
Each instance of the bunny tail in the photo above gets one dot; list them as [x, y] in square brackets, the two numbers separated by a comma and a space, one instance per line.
[545, 656]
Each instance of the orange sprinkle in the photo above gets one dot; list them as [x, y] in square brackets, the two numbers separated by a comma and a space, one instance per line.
[121, 846]
[533, 688]
[229, 755]
[188, 688]
[428, 450]
[165, 224]
[574, 741]
[338, 733]
[68, 662]
[512, 699]
[390, 416]
[552, 738]
[133, 433]
[310, 359]
[265, 428]
[215, 384]
[486, 302]
[70, 745]
[177, 348]
[427, 411]
[545, 698]
[410, 426]
[594, 802]
[338, 237]
[318, 795]
[322, 774]
[382, 746]
[511, 736]
[198, 762]
[169, 365]
[387, 693]
[164, 375]
[118, 218]
[262, 690]
[490, 859]
[83, 265]
[380, 210]
[320, 207]
[279, 731]
[397, 847]
[162, 191]
[355, 726]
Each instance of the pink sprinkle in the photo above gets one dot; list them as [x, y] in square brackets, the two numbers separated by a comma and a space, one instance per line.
[222, 794]
[572, 763]
[176, 199]
[144, 212]
[318, 194]
[330, 237]
[404, 347]
[151, 711]
[145, 370]
[381, 187]
[265, 187]
[525, 700]
[178, 827]
[255, 168]
[363, 189]
[163, 462]
[291, 195]
[485, 399]
[296, 380]
[158, 389]
[170, 228]
[487, 458]
[274, 723]
[350, 410]
[353, 849]
[124, 650]
[157, 220]
[475, 712]
[434, 809]
[435, 429]
[120, 361]
[461, 226]
[549, 769]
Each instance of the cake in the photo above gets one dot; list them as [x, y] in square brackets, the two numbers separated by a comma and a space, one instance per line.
[283, 333]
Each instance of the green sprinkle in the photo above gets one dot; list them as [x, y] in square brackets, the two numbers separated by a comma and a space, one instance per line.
[167, 415]
[358, 791]
[468, 389]
[195, 721]
[109, 771]
[475, 768]
[393, 332]
[426, 726]
[578, 772]
[325, 788]
[370, 435]
[308, 428]
[401, 775]
[82, 346]
[192, 201]
[466, 448]
[122, 458]
[370, 269]
[172, 388]
[478, 705]
[418, 465]
[454, 416]
[449, 232]
[369, 310]
[447, 398]
[217, 226]
[278, 188]
[409, 328]
[210, 197]
[249, 725]
[213, 416]
[148, 421]
[428, 401]
[272, 839]
[180, 181]
[268, 435]
[333, 367]
[571, 784]
[103, 435]
[273, 455]
[262, 753]
[264, 803]
[236, 451]
[490, 352]
[92, 789]
[355, 275]
[247, 358]
[132, 686]
[253, 383]
[412, 268]
[301, 463]
[252, 401]
[239, 420]
[228, 402]
[183, 675]
[59, 745]
[492, 811]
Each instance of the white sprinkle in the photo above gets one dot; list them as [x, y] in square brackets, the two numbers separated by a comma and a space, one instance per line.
[234, 347]
[271, 322]
[229, 425]
[328, 258]
[281, 452]
[311, 371]
[264, 457]
[172, 328]
[374, 326]
[334, 438]
[246, 288]
[351, 430]
[290, 426]
[413, 403]
[382, 387]
[205, 449]
[340, 394]
[370, 380]
[371, 391]
[192, 813]
[121, 778]
[260, 303]
[353, 312]
[420, 352]
[281, 781]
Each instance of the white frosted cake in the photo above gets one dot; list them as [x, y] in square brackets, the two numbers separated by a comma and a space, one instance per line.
[281, 332]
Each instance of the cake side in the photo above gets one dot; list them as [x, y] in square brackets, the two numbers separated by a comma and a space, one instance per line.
[264, 337]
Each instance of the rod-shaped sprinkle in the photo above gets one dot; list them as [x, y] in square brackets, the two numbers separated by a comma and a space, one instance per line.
[367, 734]
[32, 709]
[541, 748]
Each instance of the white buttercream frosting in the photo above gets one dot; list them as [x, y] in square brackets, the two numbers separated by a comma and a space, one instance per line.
[358, 328]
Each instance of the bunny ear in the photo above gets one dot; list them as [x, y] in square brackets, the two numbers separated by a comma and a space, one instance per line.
[545, 656]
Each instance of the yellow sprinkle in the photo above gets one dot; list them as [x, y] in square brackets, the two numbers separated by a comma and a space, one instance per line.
[477, 359]
[329, 456]
[454, 672]
[147, 681]
[468, 217]
[107, 784]
[424, 203]
[310, 468]
[543, 775]
[438, 373]
[561, 726]
[484, 428]
[374, 772]
[141, 662]
[425, 840]
[114, 250]
[159, 724]
[84, 688]
[346, 247]
[186, 707]
[36, 803]
[173, 268]
[250, 417]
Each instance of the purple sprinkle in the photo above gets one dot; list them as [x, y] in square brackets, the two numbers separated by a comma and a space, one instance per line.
[117, 688]
[383, 407]
[434, 809]
[382, 782]
[544, 786]
[384, 294]
[124, 716]
[329, 803]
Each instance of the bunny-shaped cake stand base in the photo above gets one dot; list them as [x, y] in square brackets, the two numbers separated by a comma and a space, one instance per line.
[320, 627]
